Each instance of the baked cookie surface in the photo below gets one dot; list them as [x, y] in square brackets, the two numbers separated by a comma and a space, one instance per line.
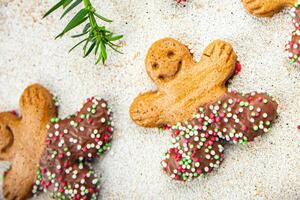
[182, 83]
[23, 140]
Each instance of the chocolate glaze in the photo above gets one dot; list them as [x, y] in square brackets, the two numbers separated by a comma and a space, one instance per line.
[72, 144]
[197, 145]
[293, 46]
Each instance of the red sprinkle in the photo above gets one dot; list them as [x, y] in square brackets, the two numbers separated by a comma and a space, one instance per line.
[238, 68]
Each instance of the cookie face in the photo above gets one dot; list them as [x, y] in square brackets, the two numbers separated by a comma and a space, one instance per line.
[65, 170]
[22, 140]
[182, 84]
[266, 8]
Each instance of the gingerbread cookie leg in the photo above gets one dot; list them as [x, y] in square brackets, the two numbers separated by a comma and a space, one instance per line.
[72, 144]
[28, 134]
[266, 8]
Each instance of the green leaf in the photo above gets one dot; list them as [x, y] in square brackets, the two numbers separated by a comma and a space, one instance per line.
[99, 58]
[55, 7]
[87, 42]
[78, 19]
[79, 35]
[115, 45]
[86, 27]
[76, 3]
[118, 37]
[67, 2]
[103, 18]
[114, 48]
[97, 47]
[78, 44]
[90, 49]
[103, 52]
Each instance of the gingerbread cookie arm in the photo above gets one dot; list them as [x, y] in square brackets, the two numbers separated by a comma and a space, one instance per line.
[266, 8]
[146, 110]
[37, 105]
[7, 121]
[218, 62]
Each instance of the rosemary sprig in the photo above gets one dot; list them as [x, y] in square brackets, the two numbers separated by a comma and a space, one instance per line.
[96, 38]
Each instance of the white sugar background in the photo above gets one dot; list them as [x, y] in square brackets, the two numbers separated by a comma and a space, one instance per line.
[266, 169]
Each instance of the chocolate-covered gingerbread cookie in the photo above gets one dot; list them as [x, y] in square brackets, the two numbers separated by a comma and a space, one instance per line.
[267, 8]
[22, 140]
[193, 101]
[56, 157]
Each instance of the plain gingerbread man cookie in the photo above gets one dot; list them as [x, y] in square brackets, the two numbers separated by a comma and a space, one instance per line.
[182, 83]
[23, 140]
[266, 8]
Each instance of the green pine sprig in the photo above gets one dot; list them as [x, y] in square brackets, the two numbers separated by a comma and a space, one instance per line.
[96, 38]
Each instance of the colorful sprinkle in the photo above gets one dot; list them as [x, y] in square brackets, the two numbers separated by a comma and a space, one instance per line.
[197, 145]
[65, 169]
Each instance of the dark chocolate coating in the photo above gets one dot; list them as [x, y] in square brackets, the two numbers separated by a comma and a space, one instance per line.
[72, 144]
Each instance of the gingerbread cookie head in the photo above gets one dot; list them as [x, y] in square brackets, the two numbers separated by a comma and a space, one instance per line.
[22, 140]
[266, 8]
[165, 59]
[182, 83]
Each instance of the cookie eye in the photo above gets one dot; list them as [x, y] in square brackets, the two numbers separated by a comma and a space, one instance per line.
[161, 77]
[179, 64]
[170, 54]
[155, 65]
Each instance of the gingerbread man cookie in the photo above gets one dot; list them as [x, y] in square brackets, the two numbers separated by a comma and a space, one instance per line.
[201, 112]
[266, 8]
[22, 140]
[53, 157]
